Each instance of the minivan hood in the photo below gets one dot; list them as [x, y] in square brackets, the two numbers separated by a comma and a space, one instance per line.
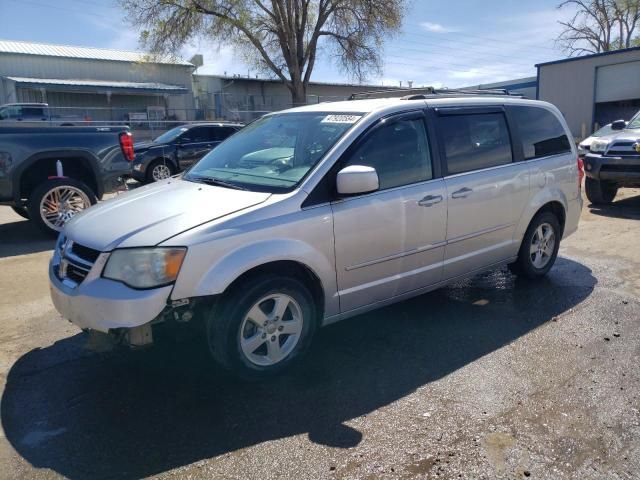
[149, 215]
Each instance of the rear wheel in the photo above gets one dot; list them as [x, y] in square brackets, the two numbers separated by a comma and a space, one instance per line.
[261, 329]
[22, 211]
[159, 170]
[539, 247]
[53, 203]
[599, 192]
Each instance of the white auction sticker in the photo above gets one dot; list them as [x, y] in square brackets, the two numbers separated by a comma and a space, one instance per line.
[341, 118]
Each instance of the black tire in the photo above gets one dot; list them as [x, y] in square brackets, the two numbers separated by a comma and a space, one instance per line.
[22, 211]
[599, 192]
[225, 321]
[43, 189]
[524, 265]
[157, 163]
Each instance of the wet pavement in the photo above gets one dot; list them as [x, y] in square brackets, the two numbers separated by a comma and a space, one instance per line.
[493, 377]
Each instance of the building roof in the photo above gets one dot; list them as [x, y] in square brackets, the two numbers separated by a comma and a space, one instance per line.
[104, 84]
[277, 80]
[585, 57]
[68, 51]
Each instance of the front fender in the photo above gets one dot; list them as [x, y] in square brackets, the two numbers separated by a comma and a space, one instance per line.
[229, 267]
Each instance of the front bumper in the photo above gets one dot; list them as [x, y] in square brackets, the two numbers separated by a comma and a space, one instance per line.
[622, 169]
[101, 304]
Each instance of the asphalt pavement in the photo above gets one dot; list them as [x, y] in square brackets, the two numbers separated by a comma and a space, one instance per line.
[492, 377]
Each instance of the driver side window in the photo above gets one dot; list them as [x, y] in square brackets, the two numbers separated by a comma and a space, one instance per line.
[399, 152]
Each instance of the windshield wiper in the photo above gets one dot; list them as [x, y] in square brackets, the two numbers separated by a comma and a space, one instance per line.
[216, 182]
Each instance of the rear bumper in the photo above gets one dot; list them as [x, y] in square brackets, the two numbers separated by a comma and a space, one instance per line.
[621, 169]
[101, 304]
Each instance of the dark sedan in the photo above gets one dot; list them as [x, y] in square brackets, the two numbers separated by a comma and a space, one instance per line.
[178, 149]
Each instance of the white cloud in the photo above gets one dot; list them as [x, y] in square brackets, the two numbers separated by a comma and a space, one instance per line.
[436, 27]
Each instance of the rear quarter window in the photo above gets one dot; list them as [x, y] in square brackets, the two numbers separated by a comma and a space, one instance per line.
[541, 132]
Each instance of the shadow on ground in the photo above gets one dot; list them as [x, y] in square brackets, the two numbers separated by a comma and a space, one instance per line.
[23, 237]
[89, 415]
[628, 208]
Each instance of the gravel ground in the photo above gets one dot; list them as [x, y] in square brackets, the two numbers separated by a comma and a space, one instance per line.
[493, 377]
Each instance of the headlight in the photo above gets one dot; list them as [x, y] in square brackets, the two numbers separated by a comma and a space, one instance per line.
[599, 146]
[145, 267]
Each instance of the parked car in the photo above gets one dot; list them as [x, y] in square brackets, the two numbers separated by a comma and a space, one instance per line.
[352, 205]
[585, 145]
[613, 162]
[178, 149]
[36, 113]
[51, 174]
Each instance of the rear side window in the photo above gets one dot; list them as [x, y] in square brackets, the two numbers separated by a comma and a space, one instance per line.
[475, 141]
[219, 134]
[196, 134]
[399, 152]
[541, 132]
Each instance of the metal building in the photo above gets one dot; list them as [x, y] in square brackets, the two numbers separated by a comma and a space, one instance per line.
[97, 83]
[243, 98]
[592, 90]
[526, 87]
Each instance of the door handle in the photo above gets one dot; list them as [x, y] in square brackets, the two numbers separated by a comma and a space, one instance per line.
[462, 193]
[430, 200]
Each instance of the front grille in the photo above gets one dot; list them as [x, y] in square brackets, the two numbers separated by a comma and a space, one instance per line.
[623, 149]
[76, 262]
[85, 253]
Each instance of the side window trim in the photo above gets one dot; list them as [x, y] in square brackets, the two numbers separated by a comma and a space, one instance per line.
[450, 111]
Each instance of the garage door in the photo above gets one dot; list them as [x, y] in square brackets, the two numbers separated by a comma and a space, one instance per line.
[618, 82]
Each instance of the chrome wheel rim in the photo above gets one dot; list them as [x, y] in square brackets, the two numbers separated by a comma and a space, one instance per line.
[60, 204]
[543, 243]
[271, 329]
[160, 172]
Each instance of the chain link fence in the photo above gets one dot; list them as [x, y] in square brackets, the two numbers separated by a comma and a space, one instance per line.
[146, 123]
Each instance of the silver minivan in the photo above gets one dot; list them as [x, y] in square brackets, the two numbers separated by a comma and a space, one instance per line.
[319, 213]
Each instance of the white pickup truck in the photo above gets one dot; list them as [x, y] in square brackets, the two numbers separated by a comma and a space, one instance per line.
[36, 112]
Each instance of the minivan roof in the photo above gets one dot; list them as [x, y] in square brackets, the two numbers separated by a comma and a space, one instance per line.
[374, 104]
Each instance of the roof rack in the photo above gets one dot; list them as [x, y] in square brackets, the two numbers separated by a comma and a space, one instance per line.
[431, 92]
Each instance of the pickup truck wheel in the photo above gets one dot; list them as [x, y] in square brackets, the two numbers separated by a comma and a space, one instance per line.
[599, 192]
[159, 170]
[261, 329]
[22, 211]
[539, 247]
[54, 202]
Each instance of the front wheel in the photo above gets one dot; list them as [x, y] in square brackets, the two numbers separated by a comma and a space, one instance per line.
[599, 192]
[261, 329]
[539, 247]
[54, 202]
[159, 170]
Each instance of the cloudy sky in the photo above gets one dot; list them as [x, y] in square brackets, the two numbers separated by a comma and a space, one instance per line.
[455, 43]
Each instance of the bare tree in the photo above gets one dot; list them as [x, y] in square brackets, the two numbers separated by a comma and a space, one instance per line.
[599, 26]
[280, 36]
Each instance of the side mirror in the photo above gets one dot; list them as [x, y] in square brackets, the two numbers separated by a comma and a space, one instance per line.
[618, 125]
[357, 179]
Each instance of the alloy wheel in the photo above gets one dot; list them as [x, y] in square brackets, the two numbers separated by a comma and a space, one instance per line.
[60, 204]
[160, 172]
[543, 243]
[271, 329]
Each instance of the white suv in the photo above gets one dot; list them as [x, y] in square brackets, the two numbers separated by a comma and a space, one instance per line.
[315, 214]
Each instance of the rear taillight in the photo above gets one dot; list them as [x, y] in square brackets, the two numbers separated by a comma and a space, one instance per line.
[126, 143]
[580, 171]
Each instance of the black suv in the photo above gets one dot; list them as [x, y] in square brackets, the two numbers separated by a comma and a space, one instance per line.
[178, 149]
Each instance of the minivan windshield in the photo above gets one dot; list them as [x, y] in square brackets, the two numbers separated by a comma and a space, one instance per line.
[170, 135]
[274, 153]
